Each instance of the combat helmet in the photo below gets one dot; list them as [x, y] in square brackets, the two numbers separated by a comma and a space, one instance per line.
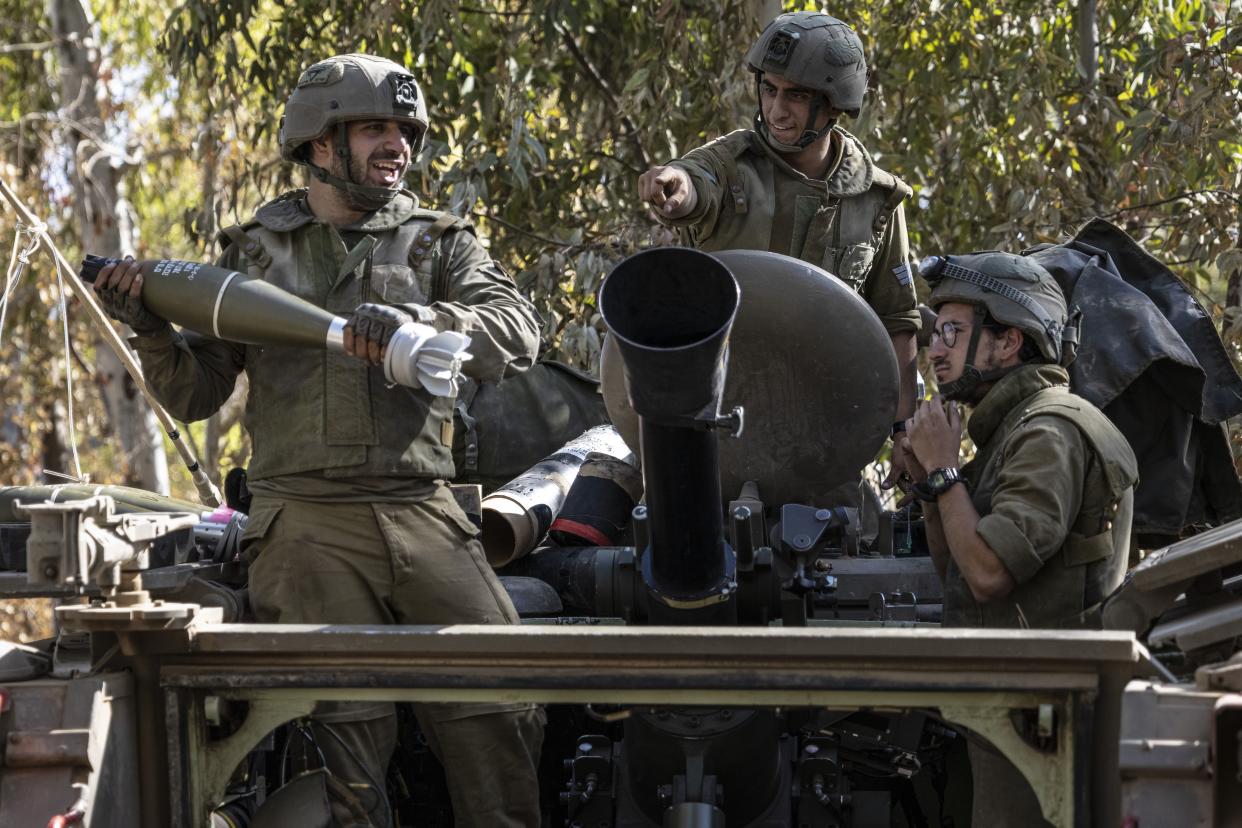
[347, 88]
[816, 51]
[1014, 291]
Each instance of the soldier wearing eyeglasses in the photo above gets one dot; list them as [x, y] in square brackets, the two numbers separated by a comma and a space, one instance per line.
[1033, 531]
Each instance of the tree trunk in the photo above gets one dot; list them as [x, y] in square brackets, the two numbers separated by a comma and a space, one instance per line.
[101, 213]
[764, 10]
[1088, 43]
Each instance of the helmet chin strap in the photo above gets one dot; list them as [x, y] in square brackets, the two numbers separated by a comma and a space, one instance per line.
[809, 134]
[964, 387]
[359, 196]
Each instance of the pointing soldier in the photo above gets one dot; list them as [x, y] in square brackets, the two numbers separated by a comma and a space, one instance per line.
[799, 184]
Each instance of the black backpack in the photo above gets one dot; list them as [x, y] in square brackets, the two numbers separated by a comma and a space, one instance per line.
[1151, 359]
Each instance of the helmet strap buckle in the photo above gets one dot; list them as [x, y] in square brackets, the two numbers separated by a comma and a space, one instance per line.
[1069, 337]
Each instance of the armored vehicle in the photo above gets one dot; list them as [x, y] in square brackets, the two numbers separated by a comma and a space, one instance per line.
[725, 644]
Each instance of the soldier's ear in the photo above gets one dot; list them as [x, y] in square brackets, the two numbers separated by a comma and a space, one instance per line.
[320, 149]
[1011, 341]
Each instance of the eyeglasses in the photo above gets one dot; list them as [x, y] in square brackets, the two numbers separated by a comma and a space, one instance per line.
[947, 333]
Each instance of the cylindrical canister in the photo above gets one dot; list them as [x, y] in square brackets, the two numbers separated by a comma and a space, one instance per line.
[518, 514]
[229, 305]
[598, 506]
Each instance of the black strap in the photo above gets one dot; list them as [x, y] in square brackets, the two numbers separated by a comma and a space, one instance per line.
[461, 406]
[250, 247]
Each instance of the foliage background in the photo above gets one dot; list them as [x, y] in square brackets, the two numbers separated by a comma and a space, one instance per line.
[1013, 123]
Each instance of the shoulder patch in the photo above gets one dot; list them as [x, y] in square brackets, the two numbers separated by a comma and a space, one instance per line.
[904, 277]
[285, 212]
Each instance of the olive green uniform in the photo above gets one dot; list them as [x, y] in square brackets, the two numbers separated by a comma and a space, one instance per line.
[1052, 481]
[851, 223]
[350, 521]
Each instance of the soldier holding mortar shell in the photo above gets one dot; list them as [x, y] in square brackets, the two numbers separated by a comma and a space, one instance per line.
[351, 522]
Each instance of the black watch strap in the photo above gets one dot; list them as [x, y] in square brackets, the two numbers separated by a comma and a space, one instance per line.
[938, 482]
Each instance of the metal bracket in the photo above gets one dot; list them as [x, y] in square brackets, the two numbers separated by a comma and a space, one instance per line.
[85, 541]
[1050, 774]
[210, 776]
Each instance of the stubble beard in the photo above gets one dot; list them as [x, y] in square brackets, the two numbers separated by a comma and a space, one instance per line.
[357, 174]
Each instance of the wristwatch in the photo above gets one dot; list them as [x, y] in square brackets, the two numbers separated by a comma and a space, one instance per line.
[938, 482]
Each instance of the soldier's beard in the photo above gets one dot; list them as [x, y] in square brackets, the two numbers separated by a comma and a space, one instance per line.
[357, 175]
[359, 169]
[986, 363]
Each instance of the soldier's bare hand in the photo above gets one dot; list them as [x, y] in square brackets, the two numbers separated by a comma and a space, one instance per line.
[935, 433]
[669, 190]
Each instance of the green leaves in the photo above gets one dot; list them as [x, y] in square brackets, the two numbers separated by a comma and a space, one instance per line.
[544, 112]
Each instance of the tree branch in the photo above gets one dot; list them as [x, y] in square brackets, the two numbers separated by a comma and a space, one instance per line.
[1233, 290]
[10, 48]
[528, 233]
[618, 161]
[606, 88]
[492, 12]
[1211, 191]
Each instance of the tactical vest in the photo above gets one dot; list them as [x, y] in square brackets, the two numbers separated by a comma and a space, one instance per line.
[311, 411]
[842, 236]
[1092, 561]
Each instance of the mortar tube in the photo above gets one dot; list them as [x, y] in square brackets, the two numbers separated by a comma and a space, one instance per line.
[671, 311]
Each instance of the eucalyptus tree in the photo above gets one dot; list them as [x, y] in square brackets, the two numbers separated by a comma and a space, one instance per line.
[1015, 122]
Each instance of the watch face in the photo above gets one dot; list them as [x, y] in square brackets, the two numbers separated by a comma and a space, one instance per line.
[937, 478]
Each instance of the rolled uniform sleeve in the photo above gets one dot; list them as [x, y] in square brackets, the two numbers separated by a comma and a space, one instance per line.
[1037, 495]
[889, 289]
[484, 303]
